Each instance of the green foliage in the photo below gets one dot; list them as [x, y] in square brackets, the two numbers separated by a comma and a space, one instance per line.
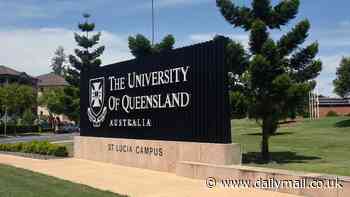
[279, 74]
[53, 100]
[68, 101]
[58, 61]
[342, 82]
[17, 98]
[140, 46]
[28, 117]
[88, 56]
[63, 101]
[236, 60]
[332, 114]
[71, 103]
[36, 147]
[239, 105]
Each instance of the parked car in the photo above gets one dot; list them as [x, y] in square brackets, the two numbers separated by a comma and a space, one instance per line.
[68, 129]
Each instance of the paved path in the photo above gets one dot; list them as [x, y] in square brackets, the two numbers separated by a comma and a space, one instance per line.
[125, 180]
[43, 137]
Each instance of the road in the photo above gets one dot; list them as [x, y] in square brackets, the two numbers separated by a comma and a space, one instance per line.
[43, 137]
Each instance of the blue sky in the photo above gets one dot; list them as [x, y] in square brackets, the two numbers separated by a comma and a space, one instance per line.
[30, 30]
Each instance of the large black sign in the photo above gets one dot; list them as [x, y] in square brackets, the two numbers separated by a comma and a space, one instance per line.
[180, 95]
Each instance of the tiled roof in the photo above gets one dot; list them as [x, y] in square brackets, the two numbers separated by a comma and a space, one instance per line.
[51, 79]
[4, 70]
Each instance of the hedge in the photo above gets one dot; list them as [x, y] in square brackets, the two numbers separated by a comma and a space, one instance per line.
[332, 114]
[12, 129]
[42, 148]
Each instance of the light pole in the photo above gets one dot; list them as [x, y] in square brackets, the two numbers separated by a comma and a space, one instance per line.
[5, 125]
[152, 22]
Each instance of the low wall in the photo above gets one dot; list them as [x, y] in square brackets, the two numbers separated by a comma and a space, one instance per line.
[199, 161]
[154, 155]
[217, 173]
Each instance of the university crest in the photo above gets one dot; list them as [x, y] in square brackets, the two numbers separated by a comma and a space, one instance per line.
[97, 111]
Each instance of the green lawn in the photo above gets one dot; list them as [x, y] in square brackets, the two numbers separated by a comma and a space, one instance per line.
[17, 182]
[321, 146]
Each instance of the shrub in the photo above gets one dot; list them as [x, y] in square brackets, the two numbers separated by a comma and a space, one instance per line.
[332, 114]
[306, 114]
[61, 151]
[18, 147]
[43, 148]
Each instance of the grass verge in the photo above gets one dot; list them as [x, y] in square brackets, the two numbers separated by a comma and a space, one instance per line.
[321, 146]
[23, 183]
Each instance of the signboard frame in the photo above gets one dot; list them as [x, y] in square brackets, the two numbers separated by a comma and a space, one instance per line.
[205, 119]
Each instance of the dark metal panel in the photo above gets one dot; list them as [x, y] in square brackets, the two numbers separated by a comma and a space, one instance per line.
[205, 119]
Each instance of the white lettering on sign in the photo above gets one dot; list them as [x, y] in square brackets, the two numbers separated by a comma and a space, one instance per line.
[141, 80]
[129, 104]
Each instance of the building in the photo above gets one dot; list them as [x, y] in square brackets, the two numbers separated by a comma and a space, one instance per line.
[338, 105]
[48, 82]
[9, 75]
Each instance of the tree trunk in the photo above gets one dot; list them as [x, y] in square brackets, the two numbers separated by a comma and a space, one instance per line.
[265, 153]
[267, 126]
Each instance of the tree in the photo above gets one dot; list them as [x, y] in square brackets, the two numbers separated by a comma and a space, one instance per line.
[71, 103]
[237, 61]
[140, 46]
[62, 101]
[342, 82]
[279, 74]
[239, 105]
[51, 99]
[15, 99]
[28, 117]
[58, 61]
[84, 59]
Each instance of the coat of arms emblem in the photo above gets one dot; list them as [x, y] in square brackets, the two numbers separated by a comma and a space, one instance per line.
[97, 111]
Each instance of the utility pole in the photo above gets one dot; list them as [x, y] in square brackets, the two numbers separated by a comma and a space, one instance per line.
[152, 22]
[5, 125]
[317, 104]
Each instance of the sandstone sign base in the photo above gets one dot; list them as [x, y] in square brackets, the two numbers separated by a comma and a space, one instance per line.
[167, 156]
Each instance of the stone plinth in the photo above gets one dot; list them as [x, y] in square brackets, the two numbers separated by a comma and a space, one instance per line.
[154, 155]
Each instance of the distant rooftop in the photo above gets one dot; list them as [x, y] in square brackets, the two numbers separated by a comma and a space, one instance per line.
[51, 79]
[6, 71]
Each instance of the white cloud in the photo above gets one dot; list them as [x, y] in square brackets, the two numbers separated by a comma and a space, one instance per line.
[31, 50]
[344, 23]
